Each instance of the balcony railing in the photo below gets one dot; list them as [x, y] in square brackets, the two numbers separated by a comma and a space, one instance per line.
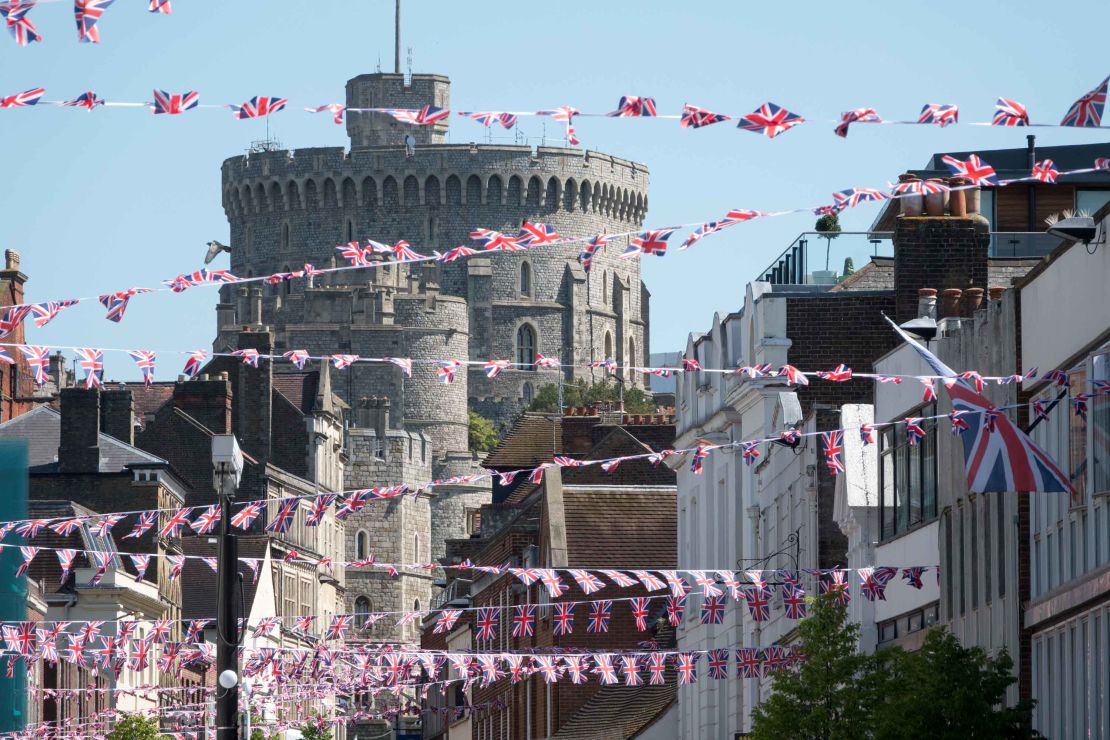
[456, 594]
[814, 259]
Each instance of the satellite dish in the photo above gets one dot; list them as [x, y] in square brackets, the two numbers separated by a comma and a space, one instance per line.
[410, 145]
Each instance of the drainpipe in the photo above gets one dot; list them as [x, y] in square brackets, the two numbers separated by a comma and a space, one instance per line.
[1031, 149]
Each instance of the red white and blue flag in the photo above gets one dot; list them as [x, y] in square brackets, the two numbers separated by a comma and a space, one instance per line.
[833, 444]
[856, 115]
[160, 6]
[770, 119]
[39, 360]
[337, 109]
[1003, 460]
[46, 312]
[524, 620]
[87, 13]
[174, 103]
[634, 106]
[1010, 113]
[1087, 111]
[695, 117]
[425, 116]
[493, 368]
[974, 169]
[854, 196]
[495, 241]
[649, 242]
[941, 114]
[591, 248]
[600, 613]
[1045, 171]
[298, 357]
[23, 99]
[488, 118]
[564, 113]
[534, 235]
[116, 303]
[92, 362]
[194, 363]
[258, 106]
[87, 100]
[19, 25]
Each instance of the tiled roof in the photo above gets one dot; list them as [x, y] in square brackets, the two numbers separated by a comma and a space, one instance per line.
[622, 442]
[45, 566]
[536, 438]
[618, 528]
[198, 581]
[878, 274]
[299, 388]
[617, 712]
[42, 429]
[148, 398]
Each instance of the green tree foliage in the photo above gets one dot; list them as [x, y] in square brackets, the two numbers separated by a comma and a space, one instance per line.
[822, 697]
[482, 434]
[943, 691]
[312, 732]
[135, 727]
[581, 393]
[828, 225]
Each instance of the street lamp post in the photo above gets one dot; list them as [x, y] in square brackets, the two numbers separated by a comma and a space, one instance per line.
[227, 464]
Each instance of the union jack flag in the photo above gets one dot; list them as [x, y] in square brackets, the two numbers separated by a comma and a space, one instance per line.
[1087, 111]
[700, 453]
[840, 374]
[857, 115]
[140, 563]
[750, 452]
[298, 357]
[713, 609]
[304, 624]
[92, 362]
[283, 519]
[621, 579]
[793, 375]
[337, 109]
[353, 253]
[718, 663]
[258, 106]
[603, 668]
[770, 119]
[914, 431]
[675, 608]
[959, 426]
[12, 318]
[87, 13]
[1010, 113]
[249, 355]
[873, 581]
[867, 433]
[174, 104]
[564, 113]
[649, 580]
[939, 113]
[975, 378]
[66, 558]
[974, 169]
[657, 668]
[548, 362]
[749, 663]
[551, 581]
[39, 360]
[14, 14]
[1079, 402]
[920, 187]
[207, 521]
[630, 667]
[487, 118]
[758, 597]
[587, 581]
[318, 509]
[493, 368]
[524, 620]
[689, 365]
[564, 618]
[854, 196]
[102, 527]
[649, 242]
[402, 252]
[495, 241]
[1006, 460]
[147, 519]
[174, 525]
[28, 553]
[534, 235]
[46, 312]
[836, 582]
[160, 6]
[707, 582]
[101, 560]
[342, 362]
[266, 626]
[457, 253]
[245, 517]
[610, 465]
[87, 100]
[23, 99]
[634, 106]
[687, 666]
[488, 618]
[591, 248]
[116, 303]
[600, 613]
[833, 443]
[547, 667]
[1102, 163]
[402, 362]
[695, 117]
[194, 363]
[425, 116]
[1045, 171]
[794, 600]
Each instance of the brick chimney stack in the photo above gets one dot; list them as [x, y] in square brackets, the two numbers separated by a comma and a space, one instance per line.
[253, 411]
[117, 414]
[79, 449]
[208, 400]
[939, 252]
[15, 381]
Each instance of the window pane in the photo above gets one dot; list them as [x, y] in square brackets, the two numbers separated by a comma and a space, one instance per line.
[1090, 201]
[887, 484]
[929, 474]
[901, 481]
[913, 485]
[1100, 427]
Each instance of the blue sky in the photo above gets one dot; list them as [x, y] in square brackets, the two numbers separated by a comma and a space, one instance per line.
[118, 197]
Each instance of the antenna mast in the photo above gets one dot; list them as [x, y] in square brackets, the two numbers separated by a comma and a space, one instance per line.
[397, 39]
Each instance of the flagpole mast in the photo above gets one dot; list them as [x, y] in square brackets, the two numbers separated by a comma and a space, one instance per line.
[227, 462]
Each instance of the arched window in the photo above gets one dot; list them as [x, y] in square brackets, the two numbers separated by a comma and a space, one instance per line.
[362, 608]
[350, 230]
[284, 237]
[608, 346]
[416, 545]
[362, 545]
[525, 279]
[527, 394]
[526, 347]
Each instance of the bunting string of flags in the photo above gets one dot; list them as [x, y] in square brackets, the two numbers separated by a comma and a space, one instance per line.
[768, 119]
[648, 242]
[202, 519]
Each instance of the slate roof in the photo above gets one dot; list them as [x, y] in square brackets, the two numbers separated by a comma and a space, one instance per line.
[42, 429]
[616, 712]
[198, 581]
[299, 388]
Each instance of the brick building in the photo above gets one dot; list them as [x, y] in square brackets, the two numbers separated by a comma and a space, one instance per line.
[16, 388]
[578, 517]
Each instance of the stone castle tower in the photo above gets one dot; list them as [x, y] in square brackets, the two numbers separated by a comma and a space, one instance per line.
[288, 208]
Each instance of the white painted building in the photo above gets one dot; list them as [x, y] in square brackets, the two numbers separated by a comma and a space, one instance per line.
[1065, 313]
